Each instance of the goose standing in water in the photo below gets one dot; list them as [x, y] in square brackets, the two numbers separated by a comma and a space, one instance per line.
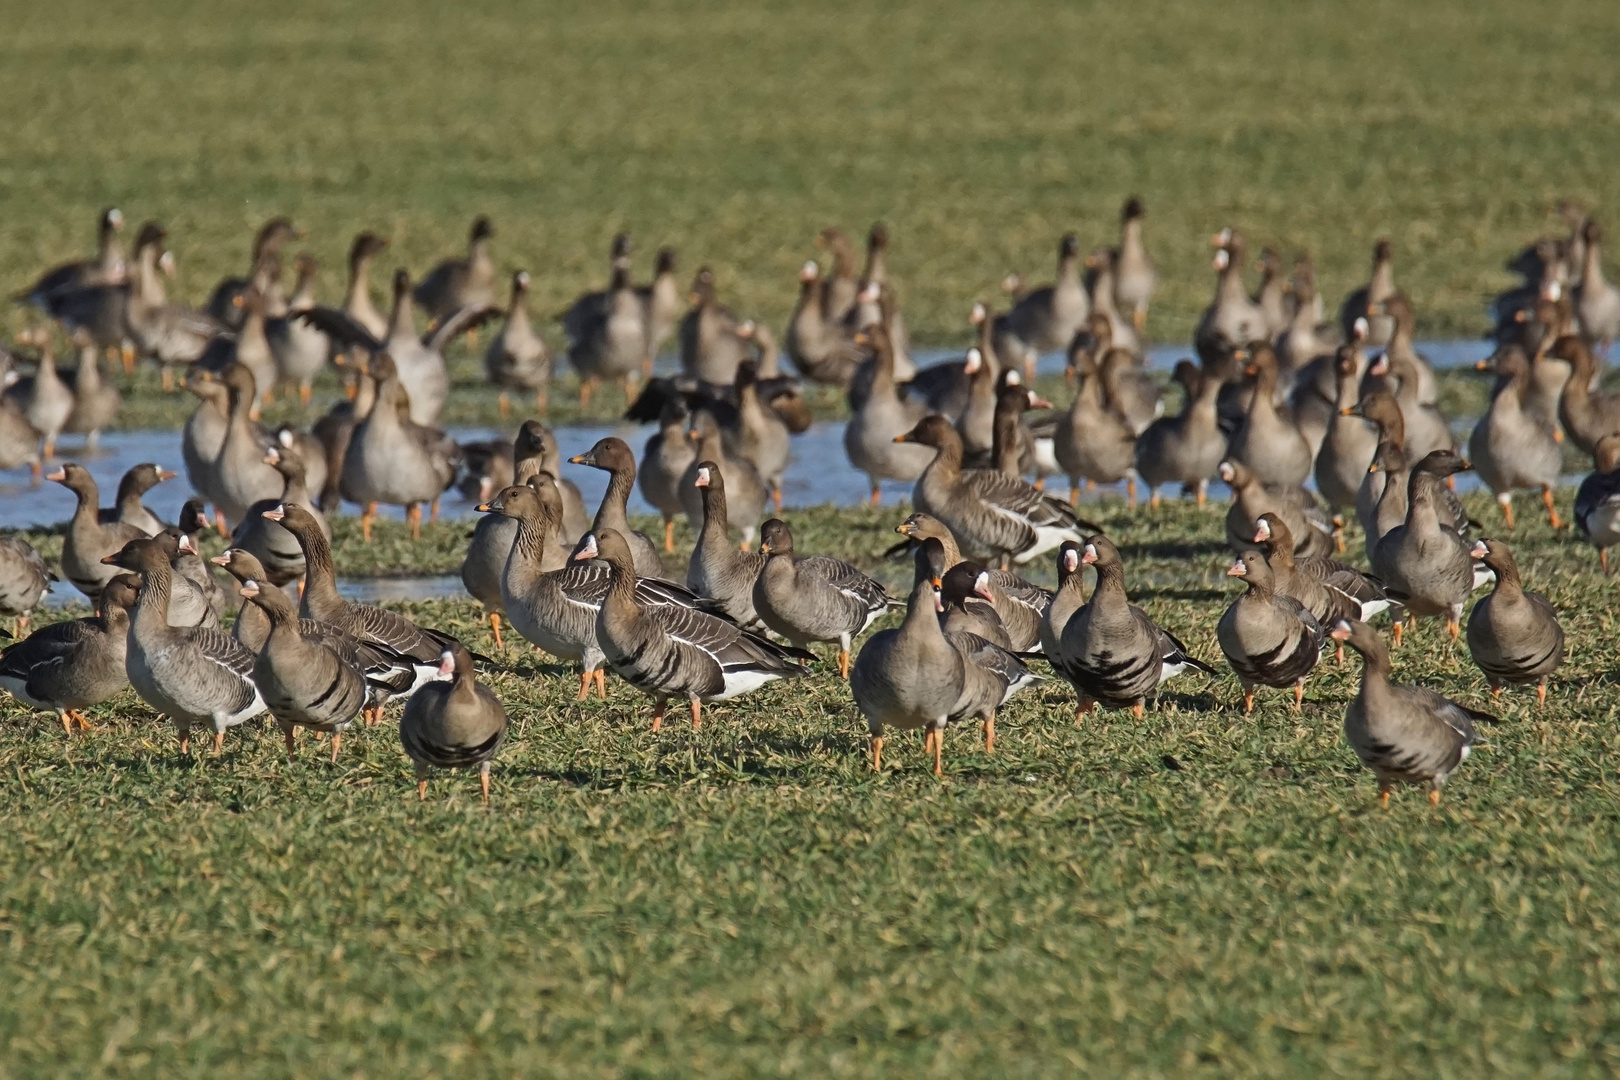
[455, 722]
[393, 460]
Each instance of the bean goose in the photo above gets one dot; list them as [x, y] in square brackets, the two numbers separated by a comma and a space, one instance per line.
[1380, 287]
[1069, 598]
[1312, 532]
[66, 667]
[1511, 448]
[614, 457]
[1111, 652]
[871, 433]
[43, 399]
[814, 598]
[1268, 441]
[517, 357]
[1424, 563]
[458, 283]
[718, 569]
[24, 580]
[746, 493]
[1134, 275]
[1597, 500]
[394, 460]
[1402, 733]
[1185, 449]
[96, 403]
[455, 722]
[1350, 442]
[1268, 636]
[193, 675]
[127, 505]
[299, 349]
[1094, 442]
[1232, 320]
[1047, 317]
[89, 541]
[1329, 589]
[312, 681]
[1597, 300]
[1587, 415]
[417, 647]
[667, 650]
[1019, 603]
[1513, 634]
[992, 516]
[276, 548]
[106, 268]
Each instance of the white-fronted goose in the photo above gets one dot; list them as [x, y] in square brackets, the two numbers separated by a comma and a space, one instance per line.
[1405, 733]
[1187, 448]
[1389, 458]
[249, 346]
[1269, 637]
[1019, 447]
[745, 492]
[1597, 301]
[591, 306]
[1402, 346]
[42, 398]
[1587, 415]
[1128, 389]
[814, 597]
[1329, 589]
[612, 342]
[718, 569]
[1314, 397]
[1094, 442]
[96, 402]
[1511, 448]
[1111, 652]
[1305, 339]
[1426, 426]
[299, 349]
[1099, 281]
[1597, 500]
[517, 357]
[661, 301]
[614, 457]
[19, 442]
[24, 580]
[816, 344]
[710, 347]
[193, 675]
[1020, 604]
[1350, 442]
[127, 506]
[1312, 531]
[1069, 598]
[204, 434]
[192, 521]
[493, 536]
[1232, 320]
[1513, 634]
[976, 425]
[1047, 317]
[189, 605]
[967, 606]
[871, 433]
[1268, 441]
[458, 283]
[1272, 298]
[170, 333]
[67, 667]
[264, 271]
[1380, 287]
[1134, 275]
[993, 674]
[238, 477]
[89, 540]
[394, 460]
[667, 650]
[666, 458]
[277, 549]
[108, 267]
[992, 516]
[1424, 564]
[455, 722]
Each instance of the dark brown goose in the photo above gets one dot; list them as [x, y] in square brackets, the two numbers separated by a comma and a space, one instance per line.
[69, 666]
[1513, 634]
[614, 457]
[455, 722]
[1269, 637]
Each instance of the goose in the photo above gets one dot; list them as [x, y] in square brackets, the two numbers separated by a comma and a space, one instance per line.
[1426, 426]
[1128, 389]
[1350, 442]
[204, 433]
[458, 283]
[1587, 415]
[299, 350]
[1401, 347]
[1134, 276]
[189, 604]
[841, 287]
[1597, 500]
[1268, 441]
[1272, 298]
[872, 288]
[1312, 532]
[591, 306]
[89, 540]
[107, 268]
[874, 426]
[24, 580]
[665, 460]
[814, 597]
[1069, 598]
[192, 521]
[992, 516]
[170, 333]
[614, 457]
[1380, 409]
[392, 459]
[976, 425]
[357, 303]
[43, 399]
[1094, 442]
[1597, 301]
[127, 505]
[768, 361]
[710, 347]
[1513, 634]
[667, 650]
[1269, 637]
[557, 610]
[746, 491]
[1405, 733]
[238, 477]
[1019, 447]
[1314, 398]
[762, 436]
[278, 551]
[193, 675]
[661, 305]
[1424, 563]
[1232, 320]
[335, 431]
[455, 722]
[717, 569]
[816, 344]
[1380, 287]
[1111, 652]
[1392, 505]
[967, 606]
[517, 357]
[1047, 317]
[1187, 448]
[96, 403]
[66, 667]
[249, 346]
[1020, 604]
[1304, 340]
[308, 680]
[612, 343]
[1099, 280]
[1329, 589]
[264, 270]
[19, 442]
[1510, 447]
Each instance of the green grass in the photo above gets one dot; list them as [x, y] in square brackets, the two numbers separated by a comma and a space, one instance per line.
[1197, 893]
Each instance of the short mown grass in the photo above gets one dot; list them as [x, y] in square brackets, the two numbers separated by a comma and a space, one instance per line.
[1198, 892]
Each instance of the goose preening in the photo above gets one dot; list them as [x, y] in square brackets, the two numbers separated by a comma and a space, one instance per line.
[1513, 634]
[454, 722]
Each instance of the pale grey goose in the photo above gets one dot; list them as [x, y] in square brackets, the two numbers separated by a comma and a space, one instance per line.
[1099, 281]
[1424, 564]
[841, 285]
[24, 580]
[493, 536]
[192, 521]
[1597, 500]
[357, 303]
[517, 358]
[1511, 448]
[710, 347]
[1269, 637]
[1586, 414]
[1350, 442]
[612, 343]
[613, 456]
[204, 433]
[717, 568]
[171, 333]
[762, 435]
[870, 434]
[1402, 733]
[455, 722]
[815, 342]
[1268, 441]
[1094, 442]
[42, 398]
[196, 676]
[1513, 634]
[1402, 350]
[238, 477]
[394, 460]
[667, 650]
[89, 541]
[96, 402]
[1232, 320]
[1597, 301]
[814, 598]
[661, 305]
[66, 667]
[1134, 275]
[458, 283]
[1272, 297]
[1047, 317]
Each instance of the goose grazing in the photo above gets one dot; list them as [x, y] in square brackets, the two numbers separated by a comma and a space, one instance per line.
[24, 580]
[1134, 275]
[1424, 563]
[1405, 733]
[1069, 598]
[276, 548]
[1380, 287]
[455, 722]
[193, 675]
[1329, 589]
[1232, 320]
[417, 648]
[89, 541]
[1269, 637]
[1268, 441]
[1510, 447]
[1047, 317]
[67, 667]
[871, 433]
[1094, 442]
[1586, 414]
[517, 357]
[815, 597]
[1597, 300]
[614, 457]
[993, 516]
[1187, 448]
[718, 570]
[1111, 652]
[668, 651]
[312, 681]
[392, 459]
[1513, 634]
[1597, 500]
[1019, 604]
[127, 505]
[108, 267]
[458, 283]
[1311, 530]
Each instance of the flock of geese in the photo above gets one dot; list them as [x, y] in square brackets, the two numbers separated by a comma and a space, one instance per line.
[1277, 397]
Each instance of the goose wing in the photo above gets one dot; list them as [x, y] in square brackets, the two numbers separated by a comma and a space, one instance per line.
[457, 324]
[340, 326]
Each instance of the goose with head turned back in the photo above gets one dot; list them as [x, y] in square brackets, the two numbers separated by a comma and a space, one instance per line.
[1232, 320]
[614, 457]
[193, 675]
[66, 667]
[393, 460]
[24, 580]
[717, 568]
[661, 305]
[869, 436]
[670, 651]
[89, 541]
[1597, 500]
[1268, 441]
[1424, 563]
[1268, 636]
[874, 286]
[1134, 275]
[1513, 634]
[460, 282]
[1186, 448]
[762, 436]
[841, 287]
[1302, 342]
[967, 608]
[517, 357]
[1380, 287]
[455, 722]
[1510, 447]
[814, 598]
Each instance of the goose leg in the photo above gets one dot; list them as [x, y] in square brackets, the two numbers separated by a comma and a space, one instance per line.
[366, 517]
[1299, 695]
[421, 782]
[305, 393]
[1603, 559]
[1139, 708]
[697, 714]
[541, 400]
[67, 722]
[289, 735]
[584, 684]
[586, 388]
[1541, 692]
[1496, 688]
[337, 739]
[877, 753]
[658, 716]
[1506, 501]
[629, 382]
[413, 515]
[1203, 492]
[669, 534]
[601, 683]
[1074, 493]
[1139, 320]
[1434, 796]
[495, 628]
[1248, 699]
[483, 780]
[939, 751]
[990, 734]
[776, 496]
[1396, 631]
[126, 353]
[185, 740]
[1084, 707]
[843, 664]
[1130, 491]
[877, 494]
[219, 743]
[1383, 793]
[1153, 498]
[433, 512]
[503, 406]
[1552, 509]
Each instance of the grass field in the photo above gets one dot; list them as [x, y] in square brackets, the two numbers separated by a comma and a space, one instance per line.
[1196, 893]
